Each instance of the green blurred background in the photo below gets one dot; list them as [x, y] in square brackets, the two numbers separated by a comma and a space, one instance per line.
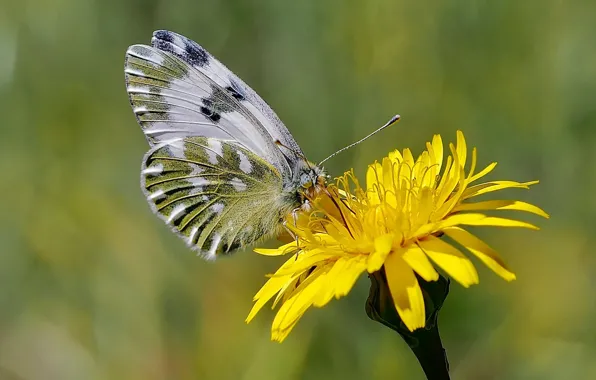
[93, 286]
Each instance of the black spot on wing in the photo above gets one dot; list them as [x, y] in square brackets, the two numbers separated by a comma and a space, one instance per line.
[214, 116]
[164, 35]
[235, 90]
[164, 45]
[217, 103]
[196, 55]
[181, 47]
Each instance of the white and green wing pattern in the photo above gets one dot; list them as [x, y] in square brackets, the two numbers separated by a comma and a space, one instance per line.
[214, 171]
[213, 193]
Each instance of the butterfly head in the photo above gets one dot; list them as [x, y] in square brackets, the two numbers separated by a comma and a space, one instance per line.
[312, 180]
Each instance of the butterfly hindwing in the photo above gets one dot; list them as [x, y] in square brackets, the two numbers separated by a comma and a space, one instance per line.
[215, 194]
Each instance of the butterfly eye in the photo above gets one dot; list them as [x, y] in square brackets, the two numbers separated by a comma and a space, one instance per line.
[305, 180]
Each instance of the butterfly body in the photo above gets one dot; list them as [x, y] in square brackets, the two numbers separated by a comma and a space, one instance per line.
[222, 170]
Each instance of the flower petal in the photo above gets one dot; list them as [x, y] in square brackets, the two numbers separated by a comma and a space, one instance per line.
[409, 158]
[304, 261]
[501, 205]
[453, 175]
[489, 256]
[292, 309]
[383, 246]
[462, 149]
[328, 288]
[341, 278]
[472, 166]
[284, 249]
[499, 222]
[438, 151]
[405, 291]
[489, 187]
[271, 287]
[417, 260]
[373, 183]
[451, 260]
[395, 157]
[388, 182]
[483, 172]
[354, 267]
[451, 220]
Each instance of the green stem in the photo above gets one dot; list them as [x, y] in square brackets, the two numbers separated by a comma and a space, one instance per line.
[425, 343]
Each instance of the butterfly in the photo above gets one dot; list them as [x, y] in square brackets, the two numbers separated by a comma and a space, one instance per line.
[222, 170]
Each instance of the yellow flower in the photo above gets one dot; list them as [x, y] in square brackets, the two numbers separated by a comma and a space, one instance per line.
[397, 223]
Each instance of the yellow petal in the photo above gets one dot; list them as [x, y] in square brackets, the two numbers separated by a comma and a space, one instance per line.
[341, 278]
[304, 261]
[270, 284]
[425, 207]
[421, 166]
[501, 205]
[388, 182]
[288, 289]
[494, 186]
[395, 157]
[284, 249]
[453, 199]
[302, 299]
[499, 222]
[462, 149]
[408, 158]
[483, 172]
[472, 166]
[445, 175]
[418, 261]
[451, 260]
[489, 256]
[405, 291]
[327, 290]
[271, 287]
[383, 245]
[453, 175]
[354, 267]
[373, 183]
[438, 151]
[451, 220]
[279, 336]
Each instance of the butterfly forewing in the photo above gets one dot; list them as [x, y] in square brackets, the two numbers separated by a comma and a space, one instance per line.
[197, 57]
[215, 194]
[172, 99]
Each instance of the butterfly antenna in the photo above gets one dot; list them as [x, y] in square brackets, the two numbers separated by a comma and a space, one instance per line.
[393, 120]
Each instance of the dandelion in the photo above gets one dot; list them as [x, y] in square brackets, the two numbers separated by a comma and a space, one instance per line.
[411, 214]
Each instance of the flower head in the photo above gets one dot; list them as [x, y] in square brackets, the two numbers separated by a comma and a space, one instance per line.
[397, 222]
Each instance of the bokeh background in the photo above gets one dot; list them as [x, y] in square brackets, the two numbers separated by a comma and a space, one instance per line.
[93, 286]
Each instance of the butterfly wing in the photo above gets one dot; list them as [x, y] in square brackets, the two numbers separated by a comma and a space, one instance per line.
[197, 57]
[172, 99]
[214, 172]
[214, 194]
